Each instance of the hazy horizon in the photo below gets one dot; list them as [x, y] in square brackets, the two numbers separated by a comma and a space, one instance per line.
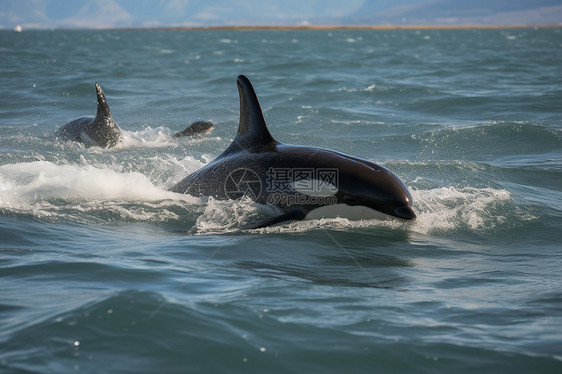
[99, 14]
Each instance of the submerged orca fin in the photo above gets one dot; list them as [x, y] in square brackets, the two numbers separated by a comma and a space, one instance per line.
[103, 112]
[252, 129]
[196, 128]
[291, 215]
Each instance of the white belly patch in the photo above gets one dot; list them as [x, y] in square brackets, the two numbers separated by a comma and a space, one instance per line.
[345, 211]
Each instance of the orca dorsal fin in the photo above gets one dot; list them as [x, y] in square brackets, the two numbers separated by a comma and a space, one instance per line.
[103, 112]
[252, 129]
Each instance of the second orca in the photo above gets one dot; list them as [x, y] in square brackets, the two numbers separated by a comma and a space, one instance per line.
[103, 131]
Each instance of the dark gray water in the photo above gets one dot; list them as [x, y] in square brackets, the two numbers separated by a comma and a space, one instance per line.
[102, 269]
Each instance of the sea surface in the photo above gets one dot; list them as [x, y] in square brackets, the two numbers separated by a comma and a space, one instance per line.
[103, 270]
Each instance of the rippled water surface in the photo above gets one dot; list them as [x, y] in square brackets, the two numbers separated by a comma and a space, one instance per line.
[101, 268]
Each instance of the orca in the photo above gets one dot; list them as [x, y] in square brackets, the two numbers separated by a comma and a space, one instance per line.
[100, 130]
[304, 182]
[103, 131]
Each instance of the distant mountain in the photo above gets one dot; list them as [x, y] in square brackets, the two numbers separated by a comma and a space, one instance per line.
[171, 13]
[165, 13]
[454, 12]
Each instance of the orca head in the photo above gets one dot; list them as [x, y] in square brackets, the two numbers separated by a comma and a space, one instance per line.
[195, 129]
[201, 127]
[366, 184]
[104, 130]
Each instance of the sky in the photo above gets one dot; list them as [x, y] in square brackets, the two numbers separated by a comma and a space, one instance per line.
[48, 14]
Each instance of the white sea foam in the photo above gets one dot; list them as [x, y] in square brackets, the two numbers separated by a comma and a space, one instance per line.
[439, 211]
[46, 189]
[148, 137]
[447, 209]
[44, 179]
[156, 137]
[373, 88]
[222, 216]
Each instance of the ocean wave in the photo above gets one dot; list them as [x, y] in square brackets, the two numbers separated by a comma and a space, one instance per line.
[449, 209]
[47, 180]
[143, 331]
[85, 193]
[444, 210]
[489, 139]
[88, 194]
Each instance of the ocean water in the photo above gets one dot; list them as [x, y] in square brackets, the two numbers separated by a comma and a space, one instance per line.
[103, 270]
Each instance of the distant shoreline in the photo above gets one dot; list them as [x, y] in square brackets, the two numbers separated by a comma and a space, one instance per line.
[311, 27]
[345, 27]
